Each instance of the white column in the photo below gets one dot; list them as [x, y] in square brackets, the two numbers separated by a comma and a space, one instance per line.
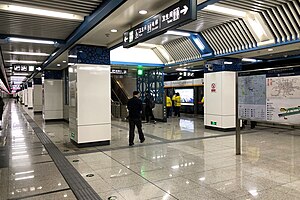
[53, 99]
[30, 97]
[89, 105]
[37, 98]
[25, 97]
[219, 104]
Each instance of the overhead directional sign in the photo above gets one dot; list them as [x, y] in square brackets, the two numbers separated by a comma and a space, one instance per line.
[176, 15]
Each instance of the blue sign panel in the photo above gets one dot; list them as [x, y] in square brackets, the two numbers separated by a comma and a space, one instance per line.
[176, 15]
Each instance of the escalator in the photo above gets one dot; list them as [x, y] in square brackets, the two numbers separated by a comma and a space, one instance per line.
[119, 99]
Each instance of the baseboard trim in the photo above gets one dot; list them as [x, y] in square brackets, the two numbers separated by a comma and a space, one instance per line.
[220, 129]
[91, 144]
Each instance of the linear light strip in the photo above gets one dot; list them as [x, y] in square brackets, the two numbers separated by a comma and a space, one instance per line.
[41, 12]
[26, 53]
[14, 39]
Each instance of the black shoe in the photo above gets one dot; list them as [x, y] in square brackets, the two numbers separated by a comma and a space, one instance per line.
[143, 140]
[131, 144]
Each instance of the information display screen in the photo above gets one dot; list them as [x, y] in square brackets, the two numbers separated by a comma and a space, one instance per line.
[186, 95]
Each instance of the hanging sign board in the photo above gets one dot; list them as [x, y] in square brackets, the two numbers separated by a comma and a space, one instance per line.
[178, 14]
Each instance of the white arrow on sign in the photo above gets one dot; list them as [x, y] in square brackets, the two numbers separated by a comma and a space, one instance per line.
[125, 39]
[184, 10]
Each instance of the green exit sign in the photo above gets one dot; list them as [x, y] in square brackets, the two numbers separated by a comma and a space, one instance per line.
[213, 123]
[140, 72]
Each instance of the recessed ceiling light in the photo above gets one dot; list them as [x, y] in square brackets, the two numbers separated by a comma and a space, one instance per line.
[13, 39]
[58, 65]
[170, 67]
[64, 61]
[23, 61]
[225, 10]
[26, 53]
[41, 12]
[113, 30]
[270, 49]
[143, 12]
[179, 33]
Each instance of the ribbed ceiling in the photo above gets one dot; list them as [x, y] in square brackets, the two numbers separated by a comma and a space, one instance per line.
[229, 37]
[182, 50]
[282, 16]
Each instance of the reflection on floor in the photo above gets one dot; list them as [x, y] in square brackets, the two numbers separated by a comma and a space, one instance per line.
[179, 160]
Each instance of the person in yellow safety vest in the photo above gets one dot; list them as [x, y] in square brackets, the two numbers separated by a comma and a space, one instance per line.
[177, 105]
[168, 105]
[202, 100]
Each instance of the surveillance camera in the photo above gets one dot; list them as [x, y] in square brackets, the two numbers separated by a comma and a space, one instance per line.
[209, 67]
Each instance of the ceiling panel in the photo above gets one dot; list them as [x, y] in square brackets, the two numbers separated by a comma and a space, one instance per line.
[123, 19]
[206, 20]
[36, 26]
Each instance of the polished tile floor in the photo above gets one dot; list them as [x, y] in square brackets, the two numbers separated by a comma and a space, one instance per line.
[179, 160]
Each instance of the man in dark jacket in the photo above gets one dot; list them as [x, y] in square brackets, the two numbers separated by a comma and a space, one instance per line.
[149, 106]
[135, 107]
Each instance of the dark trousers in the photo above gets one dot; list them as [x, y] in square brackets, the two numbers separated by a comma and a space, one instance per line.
[138, 124]
[169, 113]
[149, 114]
[177, 111]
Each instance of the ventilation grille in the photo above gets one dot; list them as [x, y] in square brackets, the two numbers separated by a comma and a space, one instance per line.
[160, 56]
[182, 50]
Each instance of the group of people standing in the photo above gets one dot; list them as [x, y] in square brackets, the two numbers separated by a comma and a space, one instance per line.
[174, 103]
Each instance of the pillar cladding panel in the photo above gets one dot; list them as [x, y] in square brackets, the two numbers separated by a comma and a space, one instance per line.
[93, 93]
[87, 54]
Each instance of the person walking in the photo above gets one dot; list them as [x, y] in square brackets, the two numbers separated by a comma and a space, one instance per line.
[135, 107]
[168, 105]
[150, 104]
[177, 104]
[1, 111]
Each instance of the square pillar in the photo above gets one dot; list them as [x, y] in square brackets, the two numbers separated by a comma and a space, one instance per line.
[30, 95]
[37, 95]
[220, 94]
[90, 96]
[53, 95]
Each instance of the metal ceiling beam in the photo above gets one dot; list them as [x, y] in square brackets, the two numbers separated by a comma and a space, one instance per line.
[2, 72]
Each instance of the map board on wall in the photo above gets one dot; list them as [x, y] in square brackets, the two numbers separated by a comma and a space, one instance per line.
[272, 95]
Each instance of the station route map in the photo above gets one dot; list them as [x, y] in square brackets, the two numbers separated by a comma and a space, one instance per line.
[283, 99]
[252, 97]
[283, 87]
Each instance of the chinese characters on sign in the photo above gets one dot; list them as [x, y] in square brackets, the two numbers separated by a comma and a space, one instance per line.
[20, 68]
[119, 71]
[178, 14]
